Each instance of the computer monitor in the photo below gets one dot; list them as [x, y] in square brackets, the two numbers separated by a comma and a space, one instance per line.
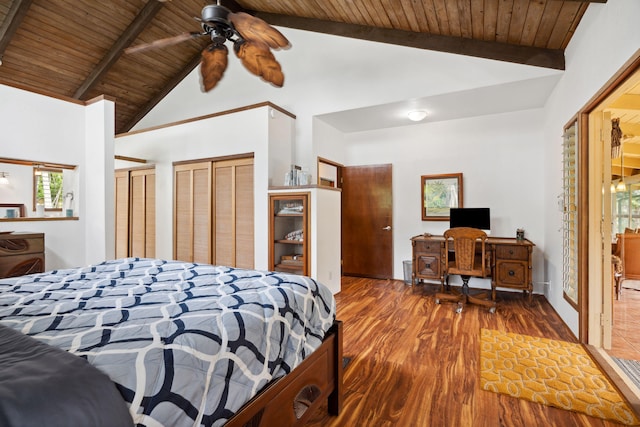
[470, 217]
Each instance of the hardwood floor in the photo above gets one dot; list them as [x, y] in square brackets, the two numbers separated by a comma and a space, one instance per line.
[415, 363]
[625, 336]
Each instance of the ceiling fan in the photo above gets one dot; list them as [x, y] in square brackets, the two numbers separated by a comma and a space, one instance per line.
[252, 40]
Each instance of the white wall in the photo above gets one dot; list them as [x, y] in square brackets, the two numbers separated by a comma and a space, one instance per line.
[608, 35]
[39, 128]
[325, 73]
[502, 162]
[326, 220]
[247, 131]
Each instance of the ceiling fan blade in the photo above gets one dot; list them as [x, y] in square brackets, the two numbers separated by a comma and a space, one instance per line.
[257, 30]
[162, 42]
[259, 60]
[213, 64]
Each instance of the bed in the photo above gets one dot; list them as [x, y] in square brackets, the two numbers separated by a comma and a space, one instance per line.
[184, 344]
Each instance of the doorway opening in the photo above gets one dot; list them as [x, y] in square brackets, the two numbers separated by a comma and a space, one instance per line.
[611, 127]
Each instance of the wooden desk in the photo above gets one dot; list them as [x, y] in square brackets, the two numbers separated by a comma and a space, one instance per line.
[511, 263]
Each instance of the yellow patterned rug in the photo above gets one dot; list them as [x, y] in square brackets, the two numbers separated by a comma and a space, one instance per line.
[551, 372]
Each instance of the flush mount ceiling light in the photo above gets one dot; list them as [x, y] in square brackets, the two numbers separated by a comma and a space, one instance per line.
[417, 115]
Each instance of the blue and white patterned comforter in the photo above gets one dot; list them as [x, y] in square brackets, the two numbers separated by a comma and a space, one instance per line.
[186, 344]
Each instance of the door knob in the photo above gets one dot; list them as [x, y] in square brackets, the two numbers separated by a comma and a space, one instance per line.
[387, 228]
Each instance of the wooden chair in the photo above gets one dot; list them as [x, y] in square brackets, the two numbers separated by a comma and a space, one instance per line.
[628, 249]
[467, 262]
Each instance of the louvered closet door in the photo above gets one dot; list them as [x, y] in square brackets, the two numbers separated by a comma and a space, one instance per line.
[192, 214]
[233, 213]
[122, 213]
[244, 215]
[143, 213]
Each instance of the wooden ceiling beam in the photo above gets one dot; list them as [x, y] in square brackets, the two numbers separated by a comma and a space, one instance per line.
[143, 18]
[11, 23]
[548, 58]
[158, 97]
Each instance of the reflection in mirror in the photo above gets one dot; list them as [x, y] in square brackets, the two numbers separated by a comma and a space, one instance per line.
[44, 189]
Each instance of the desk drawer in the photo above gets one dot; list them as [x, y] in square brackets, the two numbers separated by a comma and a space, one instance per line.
[17, 246]
[427, 247]
[512, 274]
[512, 252]
[428, 266]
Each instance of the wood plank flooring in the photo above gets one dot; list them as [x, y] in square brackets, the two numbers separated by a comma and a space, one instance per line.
[625, 334]
[416, 363]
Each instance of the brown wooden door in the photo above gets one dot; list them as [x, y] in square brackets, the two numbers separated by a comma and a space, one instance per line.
[367, 236]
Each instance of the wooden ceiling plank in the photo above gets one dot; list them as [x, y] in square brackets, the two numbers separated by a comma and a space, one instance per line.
[490, 20]
[432, 17]
[59, 68]
[12, 22]
[376, 11]
[420, 16]
[350, 11]
[365, 12]
[441, 15]
[569, 14]
[518, 19]
[326, 9]
[394, 14]
[453, 17]
[31, 40]
[500, 51]
[139, 23]
[464, 12]
[535, 12]
[551, 13]
[61, 30]
[477, 19]
[125, 127]
[505, 13]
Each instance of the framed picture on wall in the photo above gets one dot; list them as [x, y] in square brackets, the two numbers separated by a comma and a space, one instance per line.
[440, 193]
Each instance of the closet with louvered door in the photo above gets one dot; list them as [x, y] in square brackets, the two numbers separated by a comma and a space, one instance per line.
[233, 213]
[213, 212]
[143, 213]
[135, 199]
[192, 212]
[122, 213]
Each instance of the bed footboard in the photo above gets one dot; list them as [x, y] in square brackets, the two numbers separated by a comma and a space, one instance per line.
[292, 399]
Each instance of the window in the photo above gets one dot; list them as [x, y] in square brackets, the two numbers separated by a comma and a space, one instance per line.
[626, 208]
[570, 213]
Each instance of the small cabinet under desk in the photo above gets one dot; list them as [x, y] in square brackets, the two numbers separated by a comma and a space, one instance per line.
[511, 261]
[21, 253]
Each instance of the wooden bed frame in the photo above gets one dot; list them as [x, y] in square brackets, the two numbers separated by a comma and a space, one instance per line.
[292, 399]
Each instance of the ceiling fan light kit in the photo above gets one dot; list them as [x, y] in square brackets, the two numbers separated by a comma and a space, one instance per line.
[252, 38]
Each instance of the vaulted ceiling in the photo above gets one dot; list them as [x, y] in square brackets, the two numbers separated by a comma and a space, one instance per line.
[75, 48]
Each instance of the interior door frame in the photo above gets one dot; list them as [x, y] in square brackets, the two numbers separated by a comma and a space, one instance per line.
[589, 183]
[388, 228]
